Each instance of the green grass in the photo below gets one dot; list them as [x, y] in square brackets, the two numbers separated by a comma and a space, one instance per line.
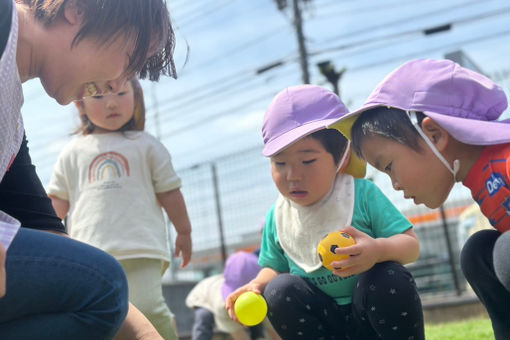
[472, 329]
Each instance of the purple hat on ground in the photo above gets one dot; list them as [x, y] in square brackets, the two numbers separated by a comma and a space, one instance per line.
[297, 112]
[463, 102]
[241, 268]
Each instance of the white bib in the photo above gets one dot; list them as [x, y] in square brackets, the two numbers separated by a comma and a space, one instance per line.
[300, 228]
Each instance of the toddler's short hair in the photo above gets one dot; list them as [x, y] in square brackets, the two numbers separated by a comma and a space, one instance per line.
[391, 123]
[333, 141]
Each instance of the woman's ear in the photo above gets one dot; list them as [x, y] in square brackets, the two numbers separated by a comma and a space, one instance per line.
[73, 12]
[437, 135]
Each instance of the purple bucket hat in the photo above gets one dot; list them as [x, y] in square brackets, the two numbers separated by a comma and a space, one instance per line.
[298, 111]
[465, 103]
[241, 268]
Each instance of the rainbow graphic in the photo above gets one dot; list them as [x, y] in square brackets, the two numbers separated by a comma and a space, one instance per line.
[107, 166]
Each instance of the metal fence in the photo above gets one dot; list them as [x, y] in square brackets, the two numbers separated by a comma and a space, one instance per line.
[228, 199]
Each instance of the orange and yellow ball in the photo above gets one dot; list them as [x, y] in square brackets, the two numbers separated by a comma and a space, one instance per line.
[329, 243]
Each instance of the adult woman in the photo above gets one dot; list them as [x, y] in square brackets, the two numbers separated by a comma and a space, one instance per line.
[58, 288]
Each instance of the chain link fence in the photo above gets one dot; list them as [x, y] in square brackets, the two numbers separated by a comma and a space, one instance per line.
[228, 199]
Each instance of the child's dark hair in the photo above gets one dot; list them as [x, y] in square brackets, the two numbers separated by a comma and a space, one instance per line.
[135, 123]
[386, 122]
[146, 21]
[333, 141]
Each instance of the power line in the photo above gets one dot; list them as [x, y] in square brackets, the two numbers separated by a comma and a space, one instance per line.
[205, 13]
[216, 115]
[375, 28]
[268, 34]
[385, 25]
[363, 10]
[401, 34]
[436, 48]
[228, 89]
[357, 44]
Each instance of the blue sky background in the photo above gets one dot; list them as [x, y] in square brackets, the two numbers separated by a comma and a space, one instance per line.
[216, 106]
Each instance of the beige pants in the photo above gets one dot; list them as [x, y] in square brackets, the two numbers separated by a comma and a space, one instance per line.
[145, 292]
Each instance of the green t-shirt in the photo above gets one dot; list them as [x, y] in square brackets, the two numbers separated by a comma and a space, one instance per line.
[373, 214]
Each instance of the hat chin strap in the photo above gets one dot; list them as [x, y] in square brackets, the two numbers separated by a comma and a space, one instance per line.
[344, 156]
[456, 163]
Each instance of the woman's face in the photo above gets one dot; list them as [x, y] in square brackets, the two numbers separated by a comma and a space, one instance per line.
[88, 68]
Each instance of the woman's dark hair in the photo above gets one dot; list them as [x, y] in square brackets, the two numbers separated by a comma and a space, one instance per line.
[386, 122]
[333, 141]
[146, 21]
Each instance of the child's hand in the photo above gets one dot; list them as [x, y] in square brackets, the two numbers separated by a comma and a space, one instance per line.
[363, 255]
[183, 248]
[231, 299]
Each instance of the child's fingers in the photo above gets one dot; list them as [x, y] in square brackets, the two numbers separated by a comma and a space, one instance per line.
[229, 305]
[177, 252]
[186, 258]
[346, 271]
[353, 250]
[352, 231]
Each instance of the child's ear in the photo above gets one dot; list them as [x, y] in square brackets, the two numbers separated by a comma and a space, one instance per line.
[73, 12]
[437, 135]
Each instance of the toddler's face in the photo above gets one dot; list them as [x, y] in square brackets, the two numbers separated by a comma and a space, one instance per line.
[420, 175]
[111, 111]
[304, 172]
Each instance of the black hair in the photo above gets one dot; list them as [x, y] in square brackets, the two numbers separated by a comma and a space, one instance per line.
[147, 21]
[387, 122]
[333, 141]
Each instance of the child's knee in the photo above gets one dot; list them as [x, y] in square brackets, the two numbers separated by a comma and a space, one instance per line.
[477, 254]
[386, 279]
[502, 259]
[387, 274]
[279, 288]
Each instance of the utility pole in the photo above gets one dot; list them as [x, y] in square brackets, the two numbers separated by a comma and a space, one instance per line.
[303, 54]
[298, 26]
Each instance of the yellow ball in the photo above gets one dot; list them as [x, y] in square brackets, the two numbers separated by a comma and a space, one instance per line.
[329, 243]
[250, 308]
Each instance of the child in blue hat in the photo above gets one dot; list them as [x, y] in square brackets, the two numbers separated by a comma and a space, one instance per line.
[429, 124]
[371, 294]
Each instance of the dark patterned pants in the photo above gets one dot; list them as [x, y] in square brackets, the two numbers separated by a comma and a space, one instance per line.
[386, 305]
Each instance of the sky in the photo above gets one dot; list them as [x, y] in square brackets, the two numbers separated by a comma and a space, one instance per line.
[216, 106]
